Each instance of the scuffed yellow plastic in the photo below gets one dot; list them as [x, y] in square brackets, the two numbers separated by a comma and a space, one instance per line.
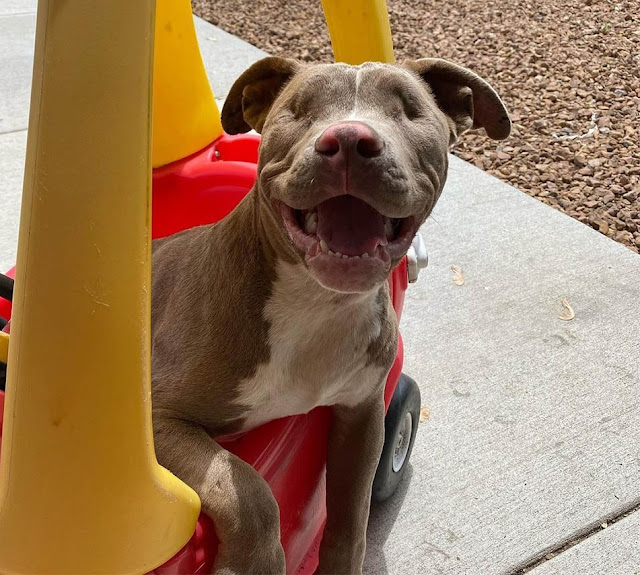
[359, 30]
[80, 488]
[185, 114]
[4, 346]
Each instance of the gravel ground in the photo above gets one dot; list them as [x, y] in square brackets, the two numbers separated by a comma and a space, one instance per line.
[569, 71]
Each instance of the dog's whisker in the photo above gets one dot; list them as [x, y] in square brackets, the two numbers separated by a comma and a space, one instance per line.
[435, 220]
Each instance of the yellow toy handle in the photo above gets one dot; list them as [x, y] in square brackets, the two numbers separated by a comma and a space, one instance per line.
[80, 488]
[185, 114]
[359, 30]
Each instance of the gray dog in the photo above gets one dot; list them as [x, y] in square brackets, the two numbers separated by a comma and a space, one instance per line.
[283, 306]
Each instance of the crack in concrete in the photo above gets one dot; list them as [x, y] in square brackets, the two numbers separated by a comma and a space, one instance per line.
[13, 131]
[578, 537]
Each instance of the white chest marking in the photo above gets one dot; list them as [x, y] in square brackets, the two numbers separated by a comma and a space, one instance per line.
[318, 350]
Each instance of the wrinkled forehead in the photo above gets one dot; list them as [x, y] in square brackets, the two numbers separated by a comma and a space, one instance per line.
[340, 86]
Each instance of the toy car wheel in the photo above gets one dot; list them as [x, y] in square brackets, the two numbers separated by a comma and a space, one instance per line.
[400, 427]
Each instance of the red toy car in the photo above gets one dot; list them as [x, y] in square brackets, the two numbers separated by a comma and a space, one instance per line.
[289, 453]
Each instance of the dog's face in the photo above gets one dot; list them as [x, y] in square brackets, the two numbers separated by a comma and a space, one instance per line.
[353, 158]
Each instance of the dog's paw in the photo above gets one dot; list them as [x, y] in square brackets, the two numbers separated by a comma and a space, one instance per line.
[247, 519]
[340, 556]
[256, 557]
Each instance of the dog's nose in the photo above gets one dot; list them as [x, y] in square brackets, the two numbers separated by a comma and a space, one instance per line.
[349, 137]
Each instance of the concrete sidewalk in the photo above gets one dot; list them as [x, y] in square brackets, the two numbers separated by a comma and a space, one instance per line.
[533, 439]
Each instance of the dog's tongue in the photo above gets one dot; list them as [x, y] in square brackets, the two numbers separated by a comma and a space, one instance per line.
[350, 226]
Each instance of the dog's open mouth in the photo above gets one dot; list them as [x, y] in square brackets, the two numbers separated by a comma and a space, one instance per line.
[348, 234]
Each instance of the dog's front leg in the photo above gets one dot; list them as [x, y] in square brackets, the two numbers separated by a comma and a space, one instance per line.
[355, 442]
[240, 502]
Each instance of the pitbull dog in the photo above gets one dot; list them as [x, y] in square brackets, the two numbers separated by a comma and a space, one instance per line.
[284, 305]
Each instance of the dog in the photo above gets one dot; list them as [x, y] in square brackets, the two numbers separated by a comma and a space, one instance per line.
[284, 306]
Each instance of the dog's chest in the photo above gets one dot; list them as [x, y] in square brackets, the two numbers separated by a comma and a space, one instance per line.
[318, 345]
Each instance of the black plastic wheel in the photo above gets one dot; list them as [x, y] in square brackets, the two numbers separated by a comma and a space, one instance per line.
[400, 427]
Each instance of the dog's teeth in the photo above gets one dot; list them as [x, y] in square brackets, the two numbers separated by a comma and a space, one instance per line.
[388, 227]
[324, 247]
[337, 254]
[364, 255]
[357, 257]
[311, 222]
[345, 257]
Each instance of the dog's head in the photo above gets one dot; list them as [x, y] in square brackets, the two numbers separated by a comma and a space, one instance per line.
[353, 158]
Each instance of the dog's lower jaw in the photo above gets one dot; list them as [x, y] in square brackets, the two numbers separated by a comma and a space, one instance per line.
[334, 274]
[370, 246]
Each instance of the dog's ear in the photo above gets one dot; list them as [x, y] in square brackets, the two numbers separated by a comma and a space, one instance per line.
[467, 99]
[254, 92]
